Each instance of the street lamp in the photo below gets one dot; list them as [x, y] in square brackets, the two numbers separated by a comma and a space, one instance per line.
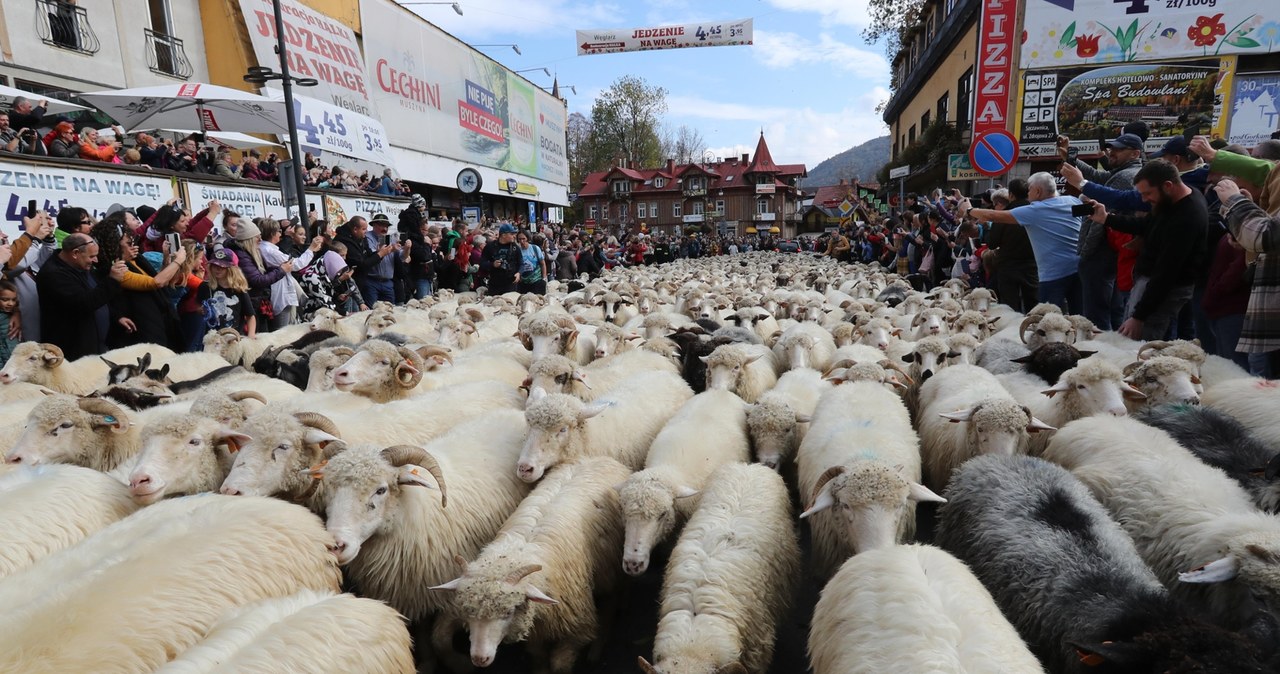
[515, 47]
[570, 87]
[455, 5]
[529, 70]
[260, 75]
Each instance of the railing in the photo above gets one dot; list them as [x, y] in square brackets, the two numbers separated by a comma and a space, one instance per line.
[165, 55]
[65, 25]
[696, 192]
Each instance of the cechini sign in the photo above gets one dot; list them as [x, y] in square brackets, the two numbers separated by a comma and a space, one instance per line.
[436, 95]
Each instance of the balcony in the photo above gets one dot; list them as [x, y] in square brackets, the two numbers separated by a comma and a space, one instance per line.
[695, 192]
[65, 25]
[764, 217]
[165, 55]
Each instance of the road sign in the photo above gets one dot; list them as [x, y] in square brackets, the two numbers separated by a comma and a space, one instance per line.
[900, 172]
[959, 168]
[993, 152]
[845, 208]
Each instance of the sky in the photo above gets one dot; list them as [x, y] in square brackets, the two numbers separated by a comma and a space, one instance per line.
[809, 81]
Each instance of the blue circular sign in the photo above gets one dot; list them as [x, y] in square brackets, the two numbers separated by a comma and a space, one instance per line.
[993, 153]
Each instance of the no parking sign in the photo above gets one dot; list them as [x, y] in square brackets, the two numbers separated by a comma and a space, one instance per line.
[993, 152]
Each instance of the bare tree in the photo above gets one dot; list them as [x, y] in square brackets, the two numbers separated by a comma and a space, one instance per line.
[685, 145]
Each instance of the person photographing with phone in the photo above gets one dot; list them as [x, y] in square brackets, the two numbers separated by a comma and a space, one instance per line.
[67, 284]
[375, 273]
[502, 260]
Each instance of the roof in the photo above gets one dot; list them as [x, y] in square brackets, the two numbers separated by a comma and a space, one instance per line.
[762, 162]
[722, 175]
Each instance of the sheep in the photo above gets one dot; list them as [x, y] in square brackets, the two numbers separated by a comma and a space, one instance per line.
[708, 431]
[182, 453]
[659, 324]
[237, 349]
[998, 353]
[345, 634]
[979, 300]
[1049, 361]
[972, 323]
[1190, 351]
[276, 450]
[350, 328]
[779, 419]
[535, 582]
[860, 452]
[561, 428]
[1224, 443]
[962, 349]
[1083, 329]
[142, 600]
[929, 323]
[1163, 379]
[1047, 329]
[739, 554]
[1180, 514]
[612, 340]
[91, 432]
[877, 333]
[426, 416]
[993, 422]
[912, 608]
[546, 333]
[1094, 387]
[927, 357]
[44, 365]
[1043, 547]
[757, 320]
[1253, 402]
[805, 345]
[49, 508]
[747, 370]
[557, 374]
[380, 371]
[323, 363]
[441, 371]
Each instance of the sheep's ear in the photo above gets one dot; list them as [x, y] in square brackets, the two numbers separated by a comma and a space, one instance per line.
[1216, 571]
[315, 436]
[920, 493]
[1131, 393]
[451, 585]
[1086, 354]
[957, 416]
[233, 439]
[802, 418]
[754, 358]
[593, 409]
[821, 501]
[116, 424]
[835, 376]
[537, 394]
[1036, 425]
[407, 375]
[1056, 389]
[685, 491]
[538, 596]
[412, 475]
[1022, 360]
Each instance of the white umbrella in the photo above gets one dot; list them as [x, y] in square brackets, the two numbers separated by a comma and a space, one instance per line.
[207, 107]
[7, 94]
[231, 139]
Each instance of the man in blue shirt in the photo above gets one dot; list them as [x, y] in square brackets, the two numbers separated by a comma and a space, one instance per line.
[380, 279]
[1054, 233]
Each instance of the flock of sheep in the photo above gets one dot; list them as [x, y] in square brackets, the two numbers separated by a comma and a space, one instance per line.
[488, 471]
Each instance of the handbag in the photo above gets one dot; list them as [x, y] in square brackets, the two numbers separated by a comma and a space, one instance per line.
[926, 265]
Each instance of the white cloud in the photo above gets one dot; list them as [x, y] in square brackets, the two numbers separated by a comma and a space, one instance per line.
[795, 134]
[490, 21]
[787, 50]
[842, 12]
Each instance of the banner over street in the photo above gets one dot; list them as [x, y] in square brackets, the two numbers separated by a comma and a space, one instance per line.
[647, 38]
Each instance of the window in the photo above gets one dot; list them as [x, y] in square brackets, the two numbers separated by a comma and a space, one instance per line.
[944, 104]
[642, 210]
[65, 25]
[911, 135]
[675, 210]
[719, 206]
[624, 210]
[762, 206]
[593, 212]
[697, 183]
[924, 121]
[653, 209]
[697, 208]
[964, 91]
[622, 187]
[895, 150]
[728, 179]
[659, 183]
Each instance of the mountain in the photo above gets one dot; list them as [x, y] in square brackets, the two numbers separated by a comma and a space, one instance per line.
[861, 161]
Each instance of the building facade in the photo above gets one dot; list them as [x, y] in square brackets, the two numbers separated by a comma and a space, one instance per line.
[732, 196]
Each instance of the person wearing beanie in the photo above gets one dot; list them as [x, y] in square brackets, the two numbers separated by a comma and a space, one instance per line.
[259, 276]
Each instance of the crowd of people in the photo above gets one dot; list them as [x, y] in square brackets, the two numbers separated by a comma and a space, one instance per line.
[27, 129]
[1180, 243]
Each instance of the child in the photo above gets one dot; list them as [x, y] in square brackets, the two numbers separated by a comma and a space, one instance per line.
[228, 305]
[9, 320]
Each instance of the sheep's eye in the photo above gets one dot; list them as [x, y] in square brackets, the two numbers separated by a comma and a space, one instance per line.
[564, 429]
[1080, 387]
[381, 490]
[282, 448]
[384, 362]
[65, 424]
[194, 442]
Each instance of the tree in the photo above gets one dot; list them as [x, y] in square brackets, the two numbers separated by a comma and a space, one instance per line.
[625, 120]
[578, 141]
[684, 145]
[890, 21]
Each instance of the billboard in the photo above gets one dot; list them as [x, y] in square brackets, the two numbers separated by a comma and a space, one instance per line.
[995, 66]
[319, 47]
[647, 38]
[436, 95]
[1092, 104]
[54, 187]
[1072, 32]
[1255, 108]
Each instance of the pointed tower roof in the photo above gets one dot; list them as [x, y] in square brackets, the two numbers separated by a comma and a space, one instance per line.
[762, 162]
[555, 87]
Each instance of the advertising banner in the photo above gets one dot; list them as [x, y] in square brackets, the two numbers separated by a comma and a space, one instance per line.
[319, 47]
[363, 205]
[1072, 32]
[250, 201]
[647, 38]
[1255, 108]
[54, 188]
[995, 66]
[959, 168]
[324, 127]
[436, 95]
[1091, 105]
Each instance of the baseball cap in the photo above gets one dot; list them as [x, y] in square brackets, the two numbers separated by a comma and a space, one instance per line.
[1131, 141]
[507, 229]
[1176, 146]
[223, 257]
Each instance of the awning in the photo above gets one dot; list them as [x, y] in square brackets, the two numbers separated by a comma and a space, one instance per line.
[751, 230]
[775, 230]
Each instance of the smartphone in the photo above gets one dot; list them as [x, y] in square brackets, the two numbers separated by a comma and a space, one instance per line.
[1080, 210]
[31, 208]
[1072, 155]
[311, 207]
[177, 203]
[175, 242]
[386, 240]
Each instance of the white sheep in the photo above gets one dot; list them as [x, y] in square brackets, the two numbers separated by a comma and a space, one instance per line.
[91, 432]
[424, 417]
[238, 349]
[1181, 513]
[805, 345]
[738, 554]
[323, 363]
[1253, 402]
[1092, 387]
[860, 452]
[44, 365]
[380, 371]
[49, 508]
[1163, 379]
[779, 420]
[557, 374]
[622, 425]
[748, 370]
[1049, 328]
[980, 300]
[182, 453]
[538, 579]
[137, 601]
[966, 412]
[343, 633]
[930, 323]
[877, 333]
[912, 608]
[546, 333]
[708, 431]
[963, 349]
